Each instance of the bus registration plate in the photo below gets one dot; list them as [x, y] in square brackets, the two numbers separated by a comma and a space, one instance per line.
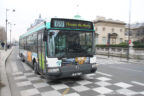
[77, 74]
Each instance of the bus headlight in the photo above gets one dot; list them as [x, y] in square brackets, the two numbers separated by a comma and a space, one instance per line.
[94, 65]
[93, 59]
[53, 62]
[53, 70]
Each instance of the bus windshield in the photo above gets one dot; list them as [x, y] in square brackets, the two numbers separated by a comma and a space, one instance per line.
[69, 43]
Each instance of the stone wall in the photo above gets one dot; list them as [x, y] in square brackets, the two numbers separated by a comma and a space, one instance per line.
[137, 53]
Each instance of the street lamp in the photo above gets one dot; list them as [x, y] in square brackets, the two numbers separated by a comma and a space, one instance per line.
[10, 30]
[6, 25]
[129, 27]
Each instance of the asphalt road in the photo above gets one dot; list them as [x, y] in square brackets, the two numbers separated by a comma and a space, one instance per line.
[113, 78]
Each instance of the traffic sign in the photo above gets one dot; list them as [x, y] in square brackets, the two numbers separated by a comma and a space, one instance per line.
[129, 42]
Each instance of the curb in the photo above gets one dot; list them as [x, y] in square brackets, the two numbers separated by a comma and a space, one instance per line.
[8, 57]
[5, 91]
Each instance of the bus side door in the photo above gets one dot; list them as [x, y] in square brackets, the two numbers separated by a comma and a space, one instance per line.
[41, 53]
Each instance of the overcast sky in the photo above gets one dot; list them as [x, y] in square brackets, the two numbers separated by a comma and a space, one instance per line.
[28, 10]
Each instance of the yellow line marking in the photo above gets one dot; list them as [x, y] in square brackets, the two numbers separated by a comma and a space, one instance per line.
[65, 91]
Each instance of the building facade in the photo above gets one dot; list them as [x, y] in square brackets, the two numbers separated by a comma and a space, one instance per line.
[37, 21]
[136, 32]
[2, 34]
[115, 28]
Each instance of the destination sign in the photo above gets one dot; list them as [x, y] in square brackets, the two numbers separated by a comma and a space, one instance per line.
[71, 23]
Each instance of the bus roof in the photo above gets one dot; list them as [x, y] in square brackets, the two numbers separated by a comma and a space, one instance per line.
[50, 25]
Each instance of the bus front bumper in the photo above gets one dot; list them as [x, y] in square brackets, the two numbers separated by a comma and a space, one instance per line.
[72, 70]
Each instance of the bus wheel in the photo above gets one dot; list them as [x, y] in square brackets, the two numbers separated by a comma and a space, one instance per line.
[35, 68]
[22, 58]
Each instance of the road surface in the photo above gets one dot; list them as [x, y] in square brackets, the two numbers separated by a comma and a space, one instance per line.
[113, 78]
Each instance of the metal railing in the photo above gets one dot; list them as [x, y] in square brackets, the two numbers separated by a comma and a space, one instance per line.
[137, 55]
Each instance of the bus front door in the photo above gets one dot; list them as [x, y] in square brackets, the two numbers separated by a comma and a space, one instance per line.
[41, 54]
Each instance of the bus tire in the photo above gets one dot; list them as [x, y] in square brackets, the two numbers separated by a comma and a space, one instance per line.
[35, 68]
[23, 60]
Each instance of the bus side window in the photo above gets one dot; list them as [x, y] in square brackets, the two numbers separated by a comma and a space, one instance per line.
[24, 42]
[27, 45]
[34, 43]
[39, 43]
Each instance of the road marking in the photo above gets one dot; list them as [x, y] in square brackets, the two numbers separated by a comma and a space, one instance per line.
[104, 74]
[29, 92]
[66, 91]
[18, 73]
[25, 83]
[123, 85]
[138, 83]
[20, 78]
[103, 78]
[125, 69]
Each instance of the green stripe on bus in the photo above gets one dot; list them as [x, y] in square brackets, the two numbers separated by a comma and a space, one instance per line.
[34, 30]
[49, 27]
[41, 61]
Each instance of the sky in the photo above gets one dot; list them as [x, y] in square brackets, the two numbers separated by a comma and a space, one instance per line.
[26, 11]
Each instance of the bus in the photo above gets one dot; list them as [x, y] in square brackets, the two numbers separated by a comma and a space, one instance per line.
[60, 48]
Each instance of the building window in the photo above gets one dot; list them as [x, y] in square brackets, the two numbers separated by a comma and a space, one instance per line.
[112, 29]
[126, 41]
[96, 38]
[113, 40]
[103, 28]
[121, 40]
[104, 40]
[121, 30]
[126, 32]
[138, 33]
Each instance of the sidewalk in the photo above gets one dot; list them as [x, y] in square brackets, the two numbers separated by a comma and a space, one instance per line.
[118, 59]
[4, 85]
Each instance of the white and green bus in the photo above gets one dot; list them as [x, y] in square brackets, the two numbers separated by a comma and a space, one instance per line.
[60, 48]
